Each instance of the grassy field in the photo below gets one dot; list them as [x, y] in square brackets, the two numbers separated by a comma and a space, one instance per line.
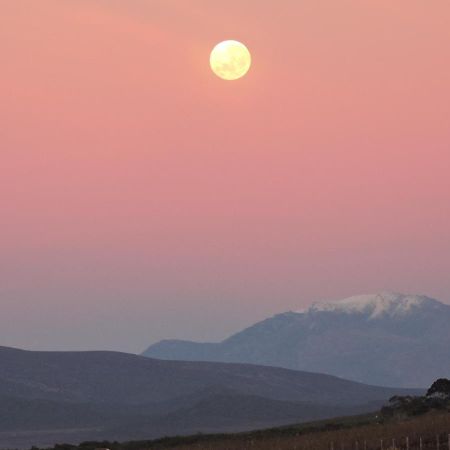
[351, 433]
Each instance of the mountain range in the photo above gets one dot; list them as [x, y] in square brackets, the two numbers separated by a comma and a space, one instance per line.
[386, 339]
[48, 397]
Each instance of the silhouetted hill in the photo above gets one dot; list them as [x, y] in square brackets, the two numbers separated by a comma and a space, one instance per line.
[385, 339]
[73, 396]
[112, 377]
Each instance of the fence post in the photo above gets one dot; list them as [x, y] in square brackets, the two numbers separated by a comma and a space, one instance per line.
[365, 445]
[407, 443]
[393, 443]
[332, 445]
[420, 443]
[381, 444]
[357, 445]
[437, 442]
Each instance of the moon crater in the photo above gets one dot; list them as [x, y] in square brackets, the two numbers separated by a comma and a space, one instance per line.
[230, 60]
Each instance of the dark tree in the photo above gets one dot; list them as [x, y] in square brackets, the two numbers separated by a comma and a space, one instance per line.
[440, 388]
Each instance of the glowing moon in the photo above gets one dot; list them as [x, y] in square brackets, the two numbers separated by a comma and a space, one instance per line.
[230, 60]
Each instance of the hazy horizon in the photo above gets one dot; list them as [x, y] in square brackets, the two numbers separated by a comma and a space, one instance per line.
[144, 198]
[194, 337]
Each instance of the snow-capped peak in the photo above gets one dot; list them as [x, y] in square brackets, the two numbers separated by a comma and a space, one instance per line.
[373, 305]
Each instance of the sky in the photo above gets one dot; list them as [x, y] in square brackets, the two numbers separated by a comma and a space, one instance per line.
[142, 197]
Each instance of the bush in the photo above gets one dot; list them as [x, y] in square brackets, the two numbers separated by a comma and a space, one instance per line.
[440, 388]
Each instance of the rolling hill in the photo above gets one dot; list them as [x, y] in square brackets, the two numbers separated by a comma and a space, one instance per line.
[48, 397]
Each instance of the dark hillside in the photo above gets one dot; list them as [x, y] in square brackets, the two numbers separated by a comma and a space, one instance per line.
[51, 397]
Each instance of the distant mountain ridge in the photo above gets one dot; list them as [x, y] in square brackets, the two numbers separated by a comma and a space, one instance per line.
[48, 397]
[387, 339]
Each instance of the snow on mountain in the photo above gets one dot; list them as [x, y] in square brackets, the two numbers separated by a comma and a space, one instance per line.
[387, 339]
[374, 305]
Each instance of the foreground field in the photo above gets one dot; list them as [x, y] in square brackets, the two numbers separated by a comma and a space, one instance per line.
[367, 432]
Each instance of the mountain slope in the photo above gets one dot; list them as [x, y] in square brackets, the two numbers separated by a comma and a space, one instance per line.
[120, 378]
[385, 339]
[47, 397]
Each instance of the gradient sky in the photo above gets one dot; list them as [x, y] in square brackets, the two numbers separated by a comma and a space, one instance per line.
[141, 197]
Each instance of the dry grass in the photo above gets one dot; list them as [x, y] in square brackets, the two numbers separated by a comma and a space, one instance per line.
[365, 437]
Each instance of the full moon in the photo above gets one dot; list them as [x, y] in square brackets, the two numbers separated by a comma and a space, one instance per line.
[230, 60]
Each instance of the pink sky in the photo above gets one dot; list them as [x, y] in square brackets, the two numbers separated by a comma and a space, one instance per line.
[142, 197]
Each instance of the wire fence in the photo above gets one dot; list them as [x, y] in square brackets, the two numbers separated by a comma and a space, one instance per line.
[438, 442]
